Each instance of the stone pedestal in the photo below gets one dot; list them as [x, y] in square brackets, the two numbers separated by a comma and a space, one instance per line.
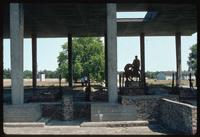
[67, 107]
[132, 84]
[133, 91]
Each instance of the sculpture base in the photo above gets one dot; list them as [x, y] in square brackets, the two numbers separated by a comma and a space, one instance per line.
[132, 91]
[132, 84]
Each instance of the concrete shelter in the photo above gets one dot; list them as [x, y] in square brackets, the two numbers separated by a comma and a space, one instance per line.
[78, 20]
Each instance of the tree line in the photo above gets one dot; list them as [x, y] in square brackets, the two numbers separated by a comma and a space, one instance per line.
[28, 74]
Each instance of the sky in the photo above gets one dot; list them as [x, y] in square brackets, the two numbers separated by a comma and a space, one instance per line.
[159, 51]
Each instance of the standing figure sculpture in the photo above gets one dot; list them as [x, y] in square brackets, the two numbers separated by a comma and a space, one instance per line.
[132, 70]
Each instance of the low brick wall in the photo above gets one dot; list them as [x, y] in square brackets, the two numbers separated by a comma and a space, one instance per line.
[188, 93]
[67, 107]
[82, 109]
[147, 106]
[52, 110]
[132, 92]
[44, 96]
[62, 110]
[179, 117]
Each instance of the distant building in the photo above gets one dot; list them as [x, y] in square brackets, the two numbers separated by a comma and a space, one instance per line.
[186, 74]
[161, 76]
[42, 77]
[167, 75]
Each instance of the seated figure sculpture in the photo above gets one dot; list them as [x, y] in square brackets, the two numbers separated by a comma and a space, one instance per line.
[132, 70]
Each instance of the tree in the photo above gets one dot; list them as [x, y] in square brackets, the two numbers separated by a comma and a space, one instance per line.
[151, 75]
[192, 59]
[49, 74]
[28, 74]
[6, 73]
[88, 58]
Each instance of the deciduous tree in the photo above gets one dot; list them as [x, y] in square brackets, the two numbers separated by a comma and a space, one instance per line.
[88, 58]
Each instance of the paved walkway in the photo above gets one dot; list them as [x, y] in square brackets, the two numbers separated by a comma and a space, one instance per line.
[77, 130]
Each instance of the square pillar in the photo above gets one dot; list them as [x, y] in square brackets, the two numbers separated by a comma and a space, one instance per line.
[112, 52]
[198, 49]
[198, 66]
[34, 62]
[142, 54]
[2, 5]
[16, 37]
[178, 59]
[70, 61]
[106, 60]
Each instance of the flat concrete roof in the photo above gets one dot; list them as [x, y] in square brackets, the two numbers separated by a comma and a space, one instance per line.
[57, 20]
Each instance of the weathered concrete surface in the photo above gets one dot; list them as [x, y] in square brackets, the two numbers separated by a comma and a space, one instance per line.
[29, 112]
[34, 62]
[112, 52]
[59, 19]
[25, 124]
[142, 57]
[17, 35]
[178, 59]
[115, 124]
[70, 63]
[77, 130]
[112, 112]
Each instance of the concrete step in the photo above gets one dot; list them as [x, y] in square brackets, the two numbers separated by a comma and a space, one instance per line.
[25, 124]
[44, 120]
[115, 124]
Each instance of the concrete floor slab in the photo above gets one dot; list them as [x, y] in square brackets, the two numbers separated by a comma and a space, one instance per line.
[77, 130]
[115, 124]
[25, 124]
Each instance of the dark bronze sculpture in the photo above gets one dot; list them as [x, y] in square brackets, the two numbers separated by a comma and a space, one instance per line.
[132, 70]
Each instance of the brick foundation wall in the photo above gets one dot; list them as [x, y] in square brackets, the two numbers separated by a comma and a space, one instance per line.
[62, 110]
[132, 92]
[67, 107]
[52, 110]
[147, 106]
[188, 93]
[179, 117]
[82, 110]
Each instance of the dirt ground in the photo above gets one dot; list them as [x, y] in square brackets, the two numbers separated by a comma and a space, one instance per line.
[55, 82]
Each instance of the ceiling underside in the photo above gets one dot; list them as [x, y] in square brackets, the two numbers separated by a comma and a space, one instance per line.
[57, 20]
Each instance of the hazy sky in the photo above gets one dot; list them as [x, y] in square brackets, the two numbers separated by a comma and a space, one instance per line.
[159, 51]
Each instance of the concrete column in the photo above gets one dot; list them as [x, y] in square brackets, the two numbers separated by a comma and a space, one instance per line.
[2, 5]
[106, 60]
[70, 61]
[198, 65]
[142, 54]
[198, 52]
[178, 59]
[112, 52]
[16, 36]
[34, 62]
